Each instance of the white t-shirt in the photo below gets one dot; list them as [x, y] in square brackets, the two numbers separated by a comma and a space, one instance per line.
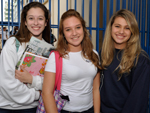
[77, 80]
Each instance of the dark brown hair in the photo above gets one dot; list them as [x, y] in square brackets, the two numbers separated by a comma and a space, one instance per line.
[23, 34]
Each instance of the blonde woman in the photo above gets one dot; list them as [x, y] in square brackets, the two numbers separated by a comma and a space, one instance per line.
[126, 67]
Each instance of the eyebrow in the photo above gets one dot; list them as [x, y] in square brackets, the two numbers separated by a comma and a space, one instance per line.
[76, 25]
[33, 15]
[120, 24]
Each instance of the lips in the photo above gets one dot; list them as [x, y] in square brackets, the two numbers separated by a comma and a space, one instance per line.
[36, 28]
[75, 38]
[120, 36]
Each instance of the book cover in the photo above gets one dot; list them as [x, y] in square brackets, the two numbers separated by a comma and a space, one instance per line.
[34, 64]
[37, 47]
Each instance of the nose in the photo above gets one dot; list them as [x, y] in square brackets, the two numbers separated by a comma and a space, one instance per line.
[121, 30]
[74, 32]
[36, 21]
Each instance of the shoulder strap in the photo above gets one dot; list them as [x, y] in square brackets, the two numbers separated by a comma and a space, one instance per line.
[58, 74]
[17, 45]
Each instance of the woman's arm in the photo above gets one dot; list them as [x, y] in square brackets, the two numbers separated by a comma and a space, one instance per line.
[137, 100]
[11, 88]
[47, 92]
[96, 93]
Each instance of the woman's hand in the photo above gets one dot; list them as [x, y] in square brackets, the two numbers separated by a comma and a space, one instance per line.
[23, 75]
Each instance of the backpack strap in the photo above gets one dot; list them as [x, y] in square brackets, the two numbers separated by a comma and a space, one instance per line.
[58, 75]
[17, 45]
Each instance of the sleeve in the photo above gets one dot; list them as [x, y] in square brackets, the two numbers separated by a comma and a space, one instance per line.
[98, 56]
[96, 53]
[37, 83]
[10, 88]
[51, 65]
[137, 101]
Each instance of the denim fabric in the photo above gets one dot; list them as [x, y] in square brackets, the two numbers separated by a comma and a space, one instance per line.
[32, 110]
[91, 110]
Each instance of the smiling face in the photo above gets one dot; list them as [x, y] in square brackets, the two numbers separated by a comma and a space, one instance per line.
[120, 33]
[36, 22]
[73, 31]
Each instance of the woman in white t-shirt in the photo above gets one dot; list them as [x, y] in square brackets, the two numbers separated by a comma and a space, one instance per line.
[80, 75]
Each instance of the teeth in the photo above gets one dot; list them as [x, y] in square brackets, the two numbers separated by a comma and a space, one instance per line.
[120, 36]
[35, 28]
[75, 38]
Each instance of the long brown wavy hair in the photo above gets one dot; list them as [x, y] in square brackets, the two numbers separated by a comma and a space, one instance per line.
[86, 44]
[132, 49]
[23, 34]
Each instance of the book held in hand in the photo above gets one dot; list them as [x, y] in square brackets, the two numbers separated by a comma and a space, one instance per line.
[34, 64]
[35, 56]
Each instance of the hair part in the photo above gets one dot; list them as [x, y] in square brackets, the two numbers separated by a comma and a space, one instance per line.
[130, 52]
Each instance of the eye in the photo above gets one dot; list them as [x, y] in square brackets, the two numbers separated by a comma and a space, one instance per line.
[67, 29]
[127, 28]
[117, 26]
[40, 18]
[30, 18]
[78, 27]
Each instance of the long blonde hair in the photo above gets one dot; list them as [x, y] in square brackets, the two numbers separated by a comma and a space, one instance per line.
[132, 49]
[86, 44]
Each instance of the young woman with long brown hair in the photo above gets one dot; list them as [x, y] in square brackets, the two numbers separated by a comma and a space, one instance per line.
[15, 96]
[80, 75]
